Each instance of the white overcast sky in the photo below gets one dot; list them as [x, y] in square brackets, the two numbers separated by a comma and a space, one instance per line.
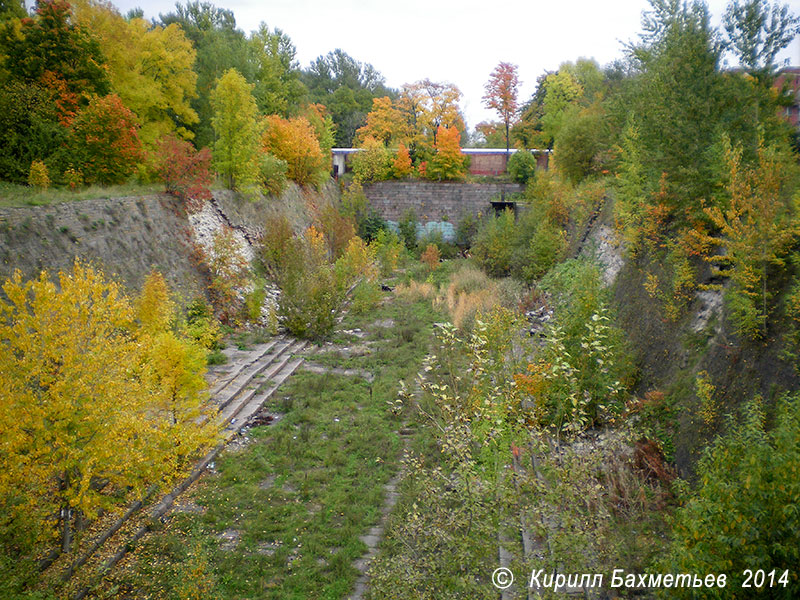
[456, 41]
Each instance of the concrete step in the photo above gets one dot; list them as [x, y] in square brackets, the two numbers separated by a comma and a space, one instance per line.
[257, 354]
[246, 375]
[272, 366]
[247, 411]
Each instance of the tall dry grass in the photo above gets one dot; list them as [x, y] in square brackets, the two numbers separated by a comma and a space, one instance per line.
[468, 292]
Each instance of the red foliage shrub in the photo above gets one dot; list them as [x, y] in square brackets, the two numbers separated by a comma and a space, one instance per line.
[186, 172]
[105, 140]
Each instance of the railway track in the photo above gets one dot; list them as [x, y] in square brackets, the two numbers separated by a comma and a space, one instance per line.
[236, 395]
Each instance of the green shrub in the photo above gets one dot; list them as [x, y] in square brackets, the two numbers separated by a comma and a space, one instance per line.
[272, 172]
[201, 326]
[466, 231]
[276, 245]
[585, 365]
[407, 229]
[522, 166]
[254, 300]
[366, 296]
[372, 163]
[310, 302]
[216, 357]
[312, 289]
[744, 513]
[446, 249]
[356, 205]
[537, 254]
[73, 178]
[388, 249]
[580, 144]
[494, 243]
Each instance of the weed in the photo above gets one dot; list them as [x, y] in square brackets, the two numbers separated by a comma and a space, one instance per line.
[297, 498]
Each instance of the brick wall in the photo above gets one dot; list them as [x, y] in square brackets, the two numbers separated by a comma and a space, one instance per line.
[487, 164]
[432, 201]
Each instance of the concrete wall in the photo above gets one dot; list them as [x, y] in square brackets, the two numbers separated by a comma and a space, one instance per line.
[435, 202]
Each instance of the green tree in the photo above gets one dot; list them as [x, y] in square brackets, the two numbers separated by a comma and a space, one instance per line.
[581, 143]
[743, 515]
[678, 103]
[562, 90]
[493, 244]
[220, 46]
[756, 32]
[12, 9]
[237, 131]
[29, 128]
[758, 226]
[346, 87]
[49, 47]
[276, 74]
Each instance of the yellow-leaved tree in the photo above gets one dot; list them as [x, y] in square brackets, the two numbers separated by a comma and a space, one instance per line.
[385, 123]
[151, 68]
[174, 365]
[82, 391]
[757, 227]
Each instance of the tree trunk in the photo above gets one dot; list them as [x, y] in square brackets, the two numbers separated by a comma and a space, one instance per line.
[66, 529]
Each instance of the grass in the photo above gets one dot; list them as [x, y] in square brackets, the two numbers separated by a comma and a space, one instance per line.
[14, 195]
[300, 494]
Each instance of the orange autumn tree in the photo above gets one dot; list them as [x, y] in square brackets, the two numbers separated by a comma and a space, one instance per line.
[294, 141]
[448, 163]
[401, 165]
[385, 123]
[501, 94]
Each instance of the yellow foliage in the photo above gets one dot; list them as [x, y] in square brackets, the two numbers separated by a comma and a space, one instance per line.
[317, 247]
[385, 123]
[757, 227]
[705, 393]
[431, 256]
[150, 68]
[793, 304]
[38, 177]
[154, 309]
[82, 391]
[358, 260]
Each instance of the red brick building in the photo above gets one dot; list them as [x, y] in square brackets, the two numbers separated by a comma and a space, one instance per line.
[483, 161]
[790, 79]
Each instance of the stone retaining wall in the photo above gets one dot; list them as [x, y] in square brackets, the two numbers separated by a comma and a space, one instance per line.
[435, 202]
